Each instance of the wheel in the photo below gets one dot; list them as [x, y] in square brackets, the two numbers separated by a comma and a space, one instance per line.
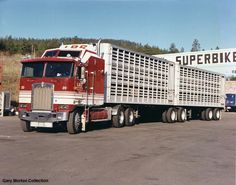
[119, 119]
[170, 115]
[74, 124]
[129, 117]
[209, 114]
[203, 114]
[25, 125]
[181, 115]
[216, 114]
[163, 116]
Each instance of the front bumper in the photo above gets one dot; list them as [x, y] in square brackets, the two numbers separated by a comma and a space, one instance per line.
[51, 117]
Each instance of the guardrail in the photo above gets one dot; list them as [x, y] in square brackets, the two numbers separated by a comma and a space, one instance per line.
[5, 102]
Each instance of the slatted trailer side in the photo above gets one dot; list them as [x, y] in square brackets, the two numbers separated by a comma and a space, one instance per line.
[134, 80]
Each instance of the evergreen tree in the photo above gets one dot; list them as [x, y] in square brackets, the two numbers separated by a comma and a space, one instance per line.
[24, 46]
[196, 45]
[173, 48]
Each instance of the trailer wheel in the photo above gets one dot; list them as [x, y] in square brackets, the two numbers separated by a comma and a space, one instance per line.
[171, 115]
[163, 116]
[216, 114]
[203, 114]
[25, 125]
[209, 114]
[74, 124]
[129, 117]
[119, 119]
[181, 115]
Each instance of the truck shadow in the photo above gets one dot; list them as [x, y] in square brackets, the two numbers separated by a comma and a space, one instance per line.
[144, 119]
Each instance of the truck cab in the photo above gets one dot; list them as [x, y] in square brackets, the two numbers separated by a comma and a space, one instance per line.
[60, 83]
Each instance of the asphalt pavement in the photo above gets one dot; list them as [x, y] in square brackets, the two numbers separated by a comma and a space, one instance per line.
[191, 153]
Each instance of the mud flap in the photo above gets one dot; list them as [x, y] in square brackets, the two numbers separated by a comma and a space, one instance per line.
[83, 121]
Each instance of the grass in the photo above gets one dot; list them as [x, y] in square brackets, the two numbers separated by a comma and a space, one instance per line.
[11, 68]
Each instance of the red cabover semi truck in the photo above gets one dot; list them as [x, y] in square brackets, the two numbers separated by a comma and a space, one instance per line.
[81, 83]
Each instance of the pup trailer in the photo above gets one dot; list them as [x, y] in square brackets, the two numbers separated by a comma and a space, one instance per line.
[87, 83]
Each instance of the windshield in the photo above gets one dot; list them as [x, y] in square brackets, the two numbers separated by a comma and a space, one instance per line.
[68, 53]
[53, 69]
[59, 69]
[32, 69]
[51, 53]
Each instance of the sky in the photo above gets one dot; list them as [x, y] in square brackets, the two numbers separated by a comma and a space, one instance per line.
[154, 22]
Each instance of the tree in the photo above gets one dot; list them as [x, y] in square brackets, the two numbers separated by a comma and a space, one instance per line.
[173, 48]
[196, 45]
[232, 78]
[2, 45]
[182, 49]
[217, 47]
[24, 45]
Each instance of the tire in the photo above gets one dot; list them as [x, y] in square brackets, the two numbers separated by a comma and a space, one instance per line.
[74, 124]
[25, 125]
[171, 115]
[216, 114]
[209, 114]
[163, 116]
[181, 115]
[119, 119]
[129, 117]
[203, 114]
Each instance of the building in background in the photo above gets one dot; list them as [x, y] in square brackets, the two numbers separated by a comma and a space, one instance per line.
[222, 61]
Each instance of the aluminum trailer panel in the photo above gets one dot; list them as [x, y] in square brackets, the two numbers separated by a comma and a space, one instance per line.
[136, 78]
[199, 87]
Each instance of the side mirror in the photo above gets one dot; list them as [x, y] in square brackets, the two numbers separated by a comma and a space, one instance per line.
[82, 76]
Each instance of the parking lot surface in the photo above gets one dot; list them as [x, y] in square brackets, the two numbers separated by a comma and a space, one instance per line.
[191, 153]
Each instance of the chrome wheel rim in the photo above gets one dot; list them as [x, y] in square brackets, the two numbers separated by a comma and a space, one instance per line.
[131, 116]
[77, 121]
[218, 115]
[122, 117]
[210, 114]
[183, 115]
[172, 116]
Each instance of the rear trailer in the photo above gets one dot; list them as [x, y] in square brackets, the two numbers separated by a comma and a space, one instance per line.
[140, 81]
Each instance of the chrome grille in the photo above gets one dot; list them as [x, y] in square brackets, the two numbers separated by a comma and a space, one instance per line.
[42, 96]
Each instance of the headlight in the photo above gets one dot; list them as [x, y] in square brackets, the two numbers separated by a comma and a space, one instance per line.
[63, 107]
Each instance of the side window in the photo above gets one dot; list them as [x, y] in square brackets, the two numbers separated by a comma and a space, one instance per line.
[78, 74]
